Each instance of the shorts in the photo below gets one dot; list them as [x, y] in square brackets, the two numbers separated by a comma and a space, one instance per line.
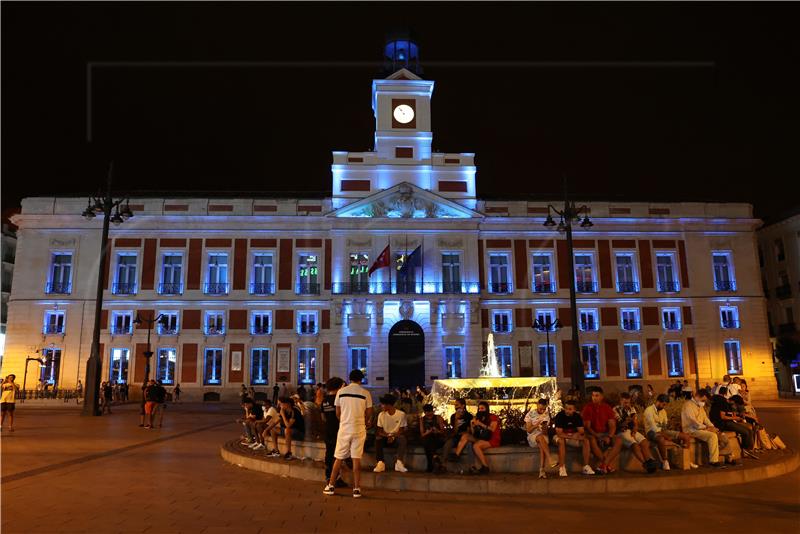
[350, 444]
[629, 439]
[149, 407]
[652, 435]
[571, 442]
[532, 439]
[8, 406]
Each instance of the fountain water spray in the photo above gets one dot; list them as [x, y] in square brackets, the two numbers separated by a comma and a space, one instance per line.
[491, 367]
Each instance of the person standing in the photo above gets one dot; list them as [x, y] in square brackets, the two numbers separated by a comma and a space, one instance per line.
[354, 409]
[150, 403]
[108, 395]
[161, 403]
[275, 390]
[331, 426]
[176, 393]
[79, 389]
[8, 401]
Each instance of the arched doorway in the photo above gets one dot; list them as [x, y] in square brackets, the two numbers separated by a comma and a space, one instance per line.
[406, 355]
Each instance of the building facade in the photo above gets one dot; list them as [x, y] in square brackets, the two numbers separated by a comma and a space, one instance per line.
[402, 272]
[9, 248]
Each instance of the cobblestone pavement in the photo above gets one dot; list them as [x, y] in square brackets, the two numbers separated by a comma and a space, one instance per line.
[66, 473]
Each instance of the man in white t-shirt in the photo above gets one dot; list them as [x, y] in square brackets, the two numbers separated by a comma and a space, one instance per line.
[272, 428]
[391, 433]
[354, 409]
[734, 387]
[537, 422]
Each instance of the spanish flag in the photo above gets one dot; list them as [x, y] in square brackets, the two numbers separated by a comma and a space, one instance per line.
[381, 262]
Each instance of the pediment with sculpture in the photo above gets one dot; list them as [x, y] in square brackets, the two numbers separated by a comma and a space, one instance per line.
[406, 201]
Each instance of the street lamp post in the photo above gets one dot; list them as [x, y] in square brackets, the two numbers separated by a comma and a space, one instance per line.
[569, 214]
[547, 325]
[100, 205]
[42, 363]
[148, 353]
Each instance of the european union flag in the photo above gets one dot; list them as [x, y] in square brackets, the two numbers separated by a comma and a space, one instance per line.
[412, 260]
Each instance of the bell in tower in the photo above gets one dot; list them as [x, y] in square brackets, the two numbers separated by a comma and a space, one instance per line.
[401, 52]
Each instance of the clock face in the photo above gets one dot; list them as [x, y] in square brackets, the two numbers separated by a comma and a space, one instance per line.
[403, 114]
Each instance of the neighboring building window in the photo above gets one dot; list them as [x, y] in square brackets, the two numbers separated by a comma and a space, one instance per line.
[543, 273]
[171, 274]
[724, 280]
[780, 253]
[499, 277]
[259, 367]
[126, 274]
[547, 360]
[261, 323]
[118, 369]
[60, 273]
[307, 322]
[358, 360]
[626, 273]
[121, 323]
[665, 272]
[217, 283]
[504, 361]
[359, 269]
[308, 272]
[54, 321]
[588, 320]
[52, 364]
[306, 366]
[671, 318]
[584, 273]
[166, 365]
[591, 361]
[262, 275]
[215, 323]
[733, 357]
[630, 319]
[729, 316]
[545, 318]
[451, 272]
[168, 325]
[452, 358]
[633, 360]
[212, 367]
[674, 359]
[501, 321]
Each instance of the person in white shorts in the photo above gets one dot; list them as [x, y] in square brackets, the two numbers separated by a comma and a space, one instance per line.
[537, 422]
[354, 410]
[628, 430]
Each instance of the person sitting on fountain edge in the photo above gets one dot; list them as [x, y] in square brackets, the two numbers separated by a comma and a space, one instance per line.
[628, 429]
[460, 423]
[537, 422]
[601, 426]
[570, 431]
[391, 433]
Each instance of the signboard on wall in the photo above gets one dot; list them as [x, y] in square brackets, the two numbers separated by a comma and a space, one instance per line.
[236, 360]
[283, 364]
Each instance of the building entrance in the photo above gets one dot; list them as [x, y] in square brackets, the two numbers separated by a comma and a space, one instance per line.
[406, 355]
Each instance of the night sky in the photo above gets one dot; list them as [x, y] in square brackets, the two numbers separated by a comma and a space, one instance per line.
[630, 101]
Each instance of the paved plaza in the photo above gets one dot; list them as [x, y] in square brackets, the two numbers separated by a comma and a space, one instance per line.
[66, 473]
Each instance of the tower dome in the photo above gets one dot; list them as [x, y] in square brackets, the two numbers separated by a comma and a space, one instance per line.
[401, 52]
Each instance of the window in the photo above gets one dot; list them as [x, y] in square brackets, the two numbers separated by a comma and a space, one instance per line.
[217, 282]
[780, 253]
[545, 319]
[308, 271]
[504, 360]
[166, 364]
[733, 357]
[307, 322]
[261, 323]
[542, 273]
[584, 274]
[451, 272]
[118, 368]
[499, 277]
[729, 316]
[212, 367]
[591, 361]
[358, 360]
[168, 325]
[547, 360]
[453, 363]
[630, 319]
[306, 366]
[587, 320]
[633, 360]
[54, 322]
[262, 275]
[215, 323]
[52, 364]
[259, 367]
[671, 318]
[674, 359]
[665, 272]
[724, 279]
[126, 274]
[121, 323]
[626, 273]
[60, 274]
[359, 273]
[171, 274]
[501, 321]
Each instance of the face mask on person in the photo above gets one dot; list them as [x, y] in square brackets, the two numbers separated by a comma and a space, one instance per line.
[700, 403]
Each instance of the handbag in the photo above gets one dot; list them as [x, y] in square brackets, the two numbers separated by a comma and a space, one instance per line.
[766, 442]
[778, 442]
[481, 433]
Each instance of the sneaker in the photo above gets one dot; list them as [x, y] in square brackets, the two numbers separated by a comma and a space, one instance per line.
[601, 469]
[356, 493]
[399, 467]
[288, 456]
[483, 470]
[587, 470]
[693, 466]
[274, 454]
[562, 471]
[749, 454]
[718, 465]
[665, 465]
[246, 443]
[542, 473]
[380, 467]
[329, 490]
[258, 447]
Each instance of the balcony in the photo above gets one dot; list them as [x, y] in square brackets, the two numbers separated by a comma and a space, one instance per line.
[724, 285]
[586, 287]
[544, 287]
[668, 286]
[118, 330]
[166, 331]
[500, 287]
[453, 287]
[215, 331]
[672, 325]
[170, 289]
[630, 326]
[258, 330]
[262, 288]
[216, 288]
[123, 289]
[53, 329]
[784, 291]
[730, 323]
[58, 288]
[627, 287]
[588, 326]
[787, 328]
[407, 287]
[307, 288]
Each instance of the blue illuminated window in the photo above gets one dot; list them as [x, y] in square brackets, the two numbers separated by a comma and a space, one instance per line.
[584, 273]
[630, 319]
[671, 318]
[547, 360]
[626, 273]
[259, 367]
[306, 366]
[54, 321]
[733, 357]
[125, 281]
[217, 276]
[587, 320]
[504, 360]
[591, 361]
[501, 321]
[168, 325]
[358, 360]
[543, 280]
[545, 318]
[166, 363]
[307, 322]
[453, 363]
[729, 316]
[674, 358]
[121, 323]
[118, 367]
[724, 279]
[171, 274]
[52, 365]
[633, 360]
[212, 367]
[60, 276]
[261, 323]
[499, 275]
[263, 282]
[666, 278]
[215, 323]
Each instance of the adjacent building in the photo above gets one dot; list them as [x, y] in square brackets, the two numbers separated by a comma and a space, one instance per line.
[8, 250]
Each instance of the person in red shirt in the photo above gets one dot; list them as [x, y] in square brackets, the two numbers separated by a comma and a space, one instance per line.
[601, 427]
